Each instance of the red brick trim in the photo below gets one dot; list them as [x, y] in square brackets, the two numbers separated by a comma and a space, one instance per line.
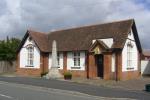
[87, 64]
[107, 65]
[44, 62]
[92, 70]
[65, 61]
[118, 73]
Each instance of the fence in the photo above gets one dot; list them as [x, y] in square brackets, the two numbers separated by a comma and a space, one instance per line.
[145, 67]
[7, 66]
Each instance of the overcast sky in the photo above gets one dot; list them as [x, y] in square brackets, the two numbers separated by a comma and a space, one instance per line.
[16, 16]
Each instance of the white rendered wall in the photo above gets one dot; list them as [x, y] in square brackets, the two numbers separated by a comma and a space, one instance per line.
[113, 62]
[131, 36]
[135, 55]
[50, 61]
[23, 55]
[61, 61]
[107, 41]
[70, 61]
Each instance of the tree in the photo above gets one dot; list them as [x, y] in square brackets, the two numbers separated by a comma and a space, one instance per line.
[8, 49]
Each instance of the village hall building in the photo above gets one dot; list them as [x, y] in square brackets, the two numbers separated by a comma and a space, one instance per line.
[109, 51]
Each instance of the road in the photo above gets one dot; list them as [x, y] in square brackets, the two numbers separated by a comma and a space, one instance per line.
[11, 91]
[82, 88]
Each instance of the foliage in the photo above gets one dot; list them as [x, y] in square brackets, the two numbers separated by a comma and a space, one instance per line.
[68, 73]
[8, 49]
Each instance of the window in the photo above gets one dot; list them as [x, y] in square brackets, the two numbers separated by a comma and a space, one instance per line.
[30, 56]
[58, 59]
[129, 55]
[76, 58]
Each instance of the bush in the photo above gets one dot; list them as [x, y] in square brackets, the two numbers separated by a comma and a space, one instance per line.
[68, 75]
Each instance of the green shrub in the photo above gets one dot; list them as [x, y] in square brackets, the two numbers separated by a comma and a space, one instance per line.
[67, 75]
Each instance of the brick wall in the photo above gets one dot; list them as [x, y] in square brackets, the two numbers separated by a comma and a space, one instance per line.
[118, 72]
[75, 73]
[130, 75]
[107, 65]
[33, 71]
[92, 68]
[44, 68]
[44, 62]
[29, 72]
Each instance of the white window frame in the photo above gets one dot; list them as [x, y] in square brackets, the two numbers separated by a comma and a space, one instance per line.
[130, 55]
[76, 60]
[30, 56]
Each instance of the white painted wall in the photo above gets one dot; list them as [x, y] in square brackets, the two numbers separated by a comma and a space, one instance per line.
[135, 55]
[131, 36]
[23, 55]
[113, 62]
[50, 61]
[145, 67]
[108, 41]
[61, 61]
[70, 61]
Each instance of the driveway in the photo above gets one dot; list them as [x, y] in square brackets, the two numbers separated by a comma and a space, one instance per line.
[82, 88]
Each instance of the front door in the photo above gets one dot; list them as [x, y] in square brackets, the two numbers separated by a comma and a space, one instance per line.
[100, 67]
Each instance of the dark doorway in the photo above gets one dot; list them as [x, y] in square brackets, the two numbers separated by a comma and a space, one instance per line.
[100, 66]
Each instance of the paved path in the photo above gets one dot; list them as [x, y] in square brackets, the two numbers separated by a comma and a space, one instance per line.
[126, 85]
[83, 88]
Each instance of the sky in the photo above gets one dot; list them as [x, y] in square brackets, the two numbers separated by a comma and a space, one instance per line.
[16, 16]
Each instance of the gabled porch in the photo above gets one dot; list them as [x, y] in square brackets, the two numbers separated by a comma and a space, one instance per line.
[100, 62]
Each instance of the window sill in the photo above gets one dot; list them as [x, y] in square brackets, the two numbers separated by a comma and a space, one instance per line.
[29, 66]
[130, 68]
[75, 67]
[61, 68]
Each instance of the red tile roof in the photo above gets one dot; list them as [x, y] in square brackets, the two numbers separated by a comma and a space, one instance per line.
[81, 38]
[41, 39]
